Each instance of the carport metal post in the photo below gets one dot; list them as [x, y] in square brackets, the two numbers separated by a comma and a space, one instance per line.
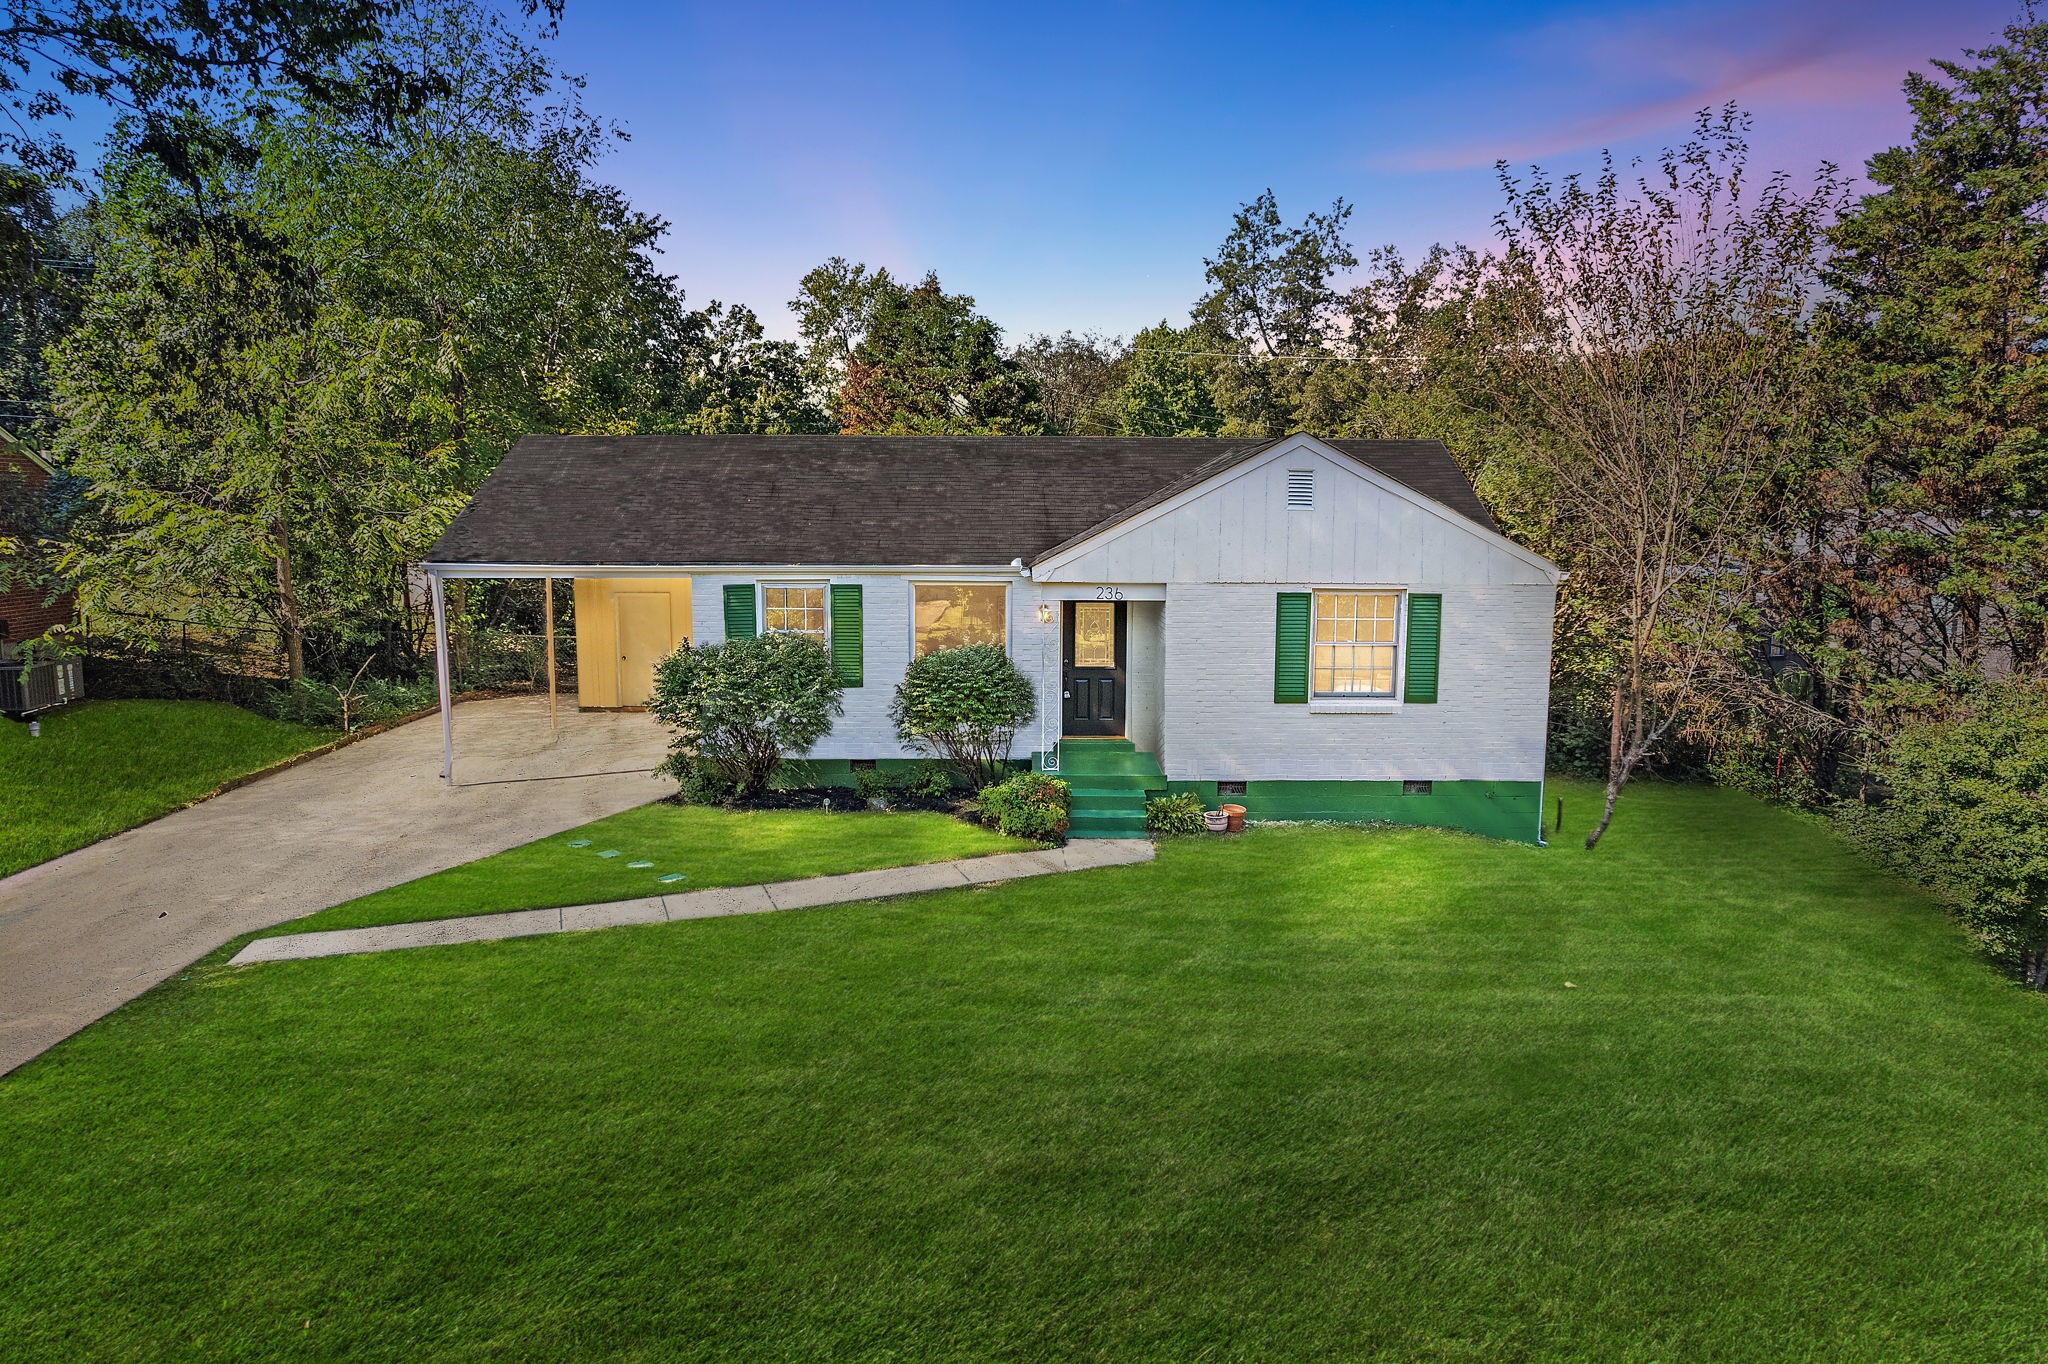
[547, 592]
[441, 677]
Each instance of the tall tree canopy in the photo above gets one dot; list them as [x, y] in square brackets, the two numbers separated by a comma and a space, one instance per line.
[1942, 329]
[929, 364]
[1078, 376]
[1274, 310]
[1166, 386]
[275, 421]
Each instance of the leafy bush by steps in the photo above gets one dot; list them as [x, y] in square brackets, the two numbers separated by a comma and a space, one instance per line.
[1167, 816]
[1028, 805]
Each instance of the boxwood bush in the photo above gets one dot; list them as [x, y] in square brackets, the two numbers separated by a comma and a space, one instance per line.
[740, 708]
[964, 705]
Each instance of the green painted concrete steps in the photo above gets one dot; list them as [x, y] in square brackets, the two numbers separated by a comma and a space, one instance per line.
[1111, 781]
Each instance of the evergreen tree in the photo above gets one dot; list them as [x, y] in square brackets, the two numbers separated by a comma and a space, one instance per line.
[1942, 548]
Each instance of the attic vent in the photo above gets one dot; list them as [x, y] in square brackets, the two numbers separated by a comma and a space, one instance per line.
[1301, 487]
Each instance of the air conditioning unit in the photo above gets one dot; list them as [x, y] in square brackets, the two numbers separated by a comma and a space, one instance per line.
[39, 686]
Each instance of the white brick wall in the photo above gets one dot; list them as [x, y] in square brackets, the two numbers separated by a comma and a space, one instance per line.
[1201, 666]
[1487, 725]
[865, 730]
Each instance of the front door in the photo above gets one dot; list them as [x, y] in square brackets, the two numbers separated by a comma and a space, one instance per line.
[644, 640]
[1093, 651]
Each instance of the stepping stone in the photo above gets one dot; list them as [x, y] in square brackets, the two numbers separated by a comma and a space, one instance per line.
[580, 843]
[609, 852]
[639, 866]
[671, 878]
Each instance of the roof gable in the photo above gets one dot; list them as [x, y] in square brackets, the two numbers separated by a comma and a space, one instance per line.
[1234, 521]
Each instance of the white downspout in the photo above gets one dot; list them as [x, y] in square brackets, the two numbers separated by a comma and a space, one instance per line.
[441, 677]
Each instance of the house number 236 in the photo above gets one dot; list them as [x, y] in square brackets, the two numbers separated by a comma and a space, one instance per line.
[1109, 594]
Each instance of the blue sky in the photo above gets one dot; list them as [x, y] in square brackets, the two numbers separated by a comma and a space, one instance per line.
[1070, 165]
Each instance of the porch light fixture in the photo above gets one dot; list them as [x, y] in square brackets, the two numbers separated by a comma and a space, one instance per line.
[1045, 613]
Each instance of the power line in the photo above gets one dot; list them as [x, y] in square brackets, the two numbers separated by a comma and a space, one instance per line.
[1236, 354]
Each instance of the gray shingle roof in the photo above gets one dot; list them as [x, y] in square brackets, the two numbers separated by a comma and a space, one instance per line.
[852, 500]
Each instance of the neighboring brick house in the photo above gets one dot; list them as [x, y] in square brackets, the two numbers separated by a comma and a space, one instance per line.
[26, 609]
[1313, 629]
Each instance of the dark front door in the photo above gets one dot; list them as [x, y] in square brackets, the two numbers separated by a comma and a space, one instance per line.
[1093, 650]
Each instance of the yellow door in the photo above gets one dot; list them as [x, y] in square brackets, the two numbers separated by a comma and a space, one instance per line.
[644, 640]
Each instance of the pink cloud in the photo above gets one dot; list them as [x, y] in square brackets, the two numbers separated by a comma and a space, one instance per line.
[1772, 59]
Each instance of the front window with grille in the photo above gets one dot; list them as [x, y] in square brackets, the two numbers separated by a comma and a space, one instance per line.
[794, 609]
[1355, 642]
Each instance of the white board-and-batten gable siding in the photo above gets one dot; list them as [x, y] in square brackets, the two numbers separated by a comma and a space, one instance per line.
[1363, 529]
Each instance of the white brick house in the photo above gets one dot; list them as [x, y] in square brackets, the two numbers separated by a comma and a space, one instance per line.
[1313, 629]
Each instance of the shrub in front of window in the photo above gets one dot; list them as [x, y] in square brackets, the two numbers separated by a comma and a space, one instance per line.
[1027, 805]
[1168, 816]
[965, 706]
[740, 708]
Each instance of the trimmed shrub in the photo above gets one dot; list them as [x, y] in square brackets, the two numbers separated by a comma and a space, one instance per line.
[1028, 805]
[965, 706]
[740, 708]
[1167, 816]
[1966, 817]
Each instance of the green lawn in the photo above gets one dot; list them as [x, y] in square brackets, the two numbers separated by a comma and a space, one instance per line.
[709, 847]
[1310, 1093]
[104, 766]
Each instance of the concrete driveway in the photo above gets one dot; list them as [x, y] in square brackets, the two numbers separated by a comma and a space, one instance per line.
[82, 935]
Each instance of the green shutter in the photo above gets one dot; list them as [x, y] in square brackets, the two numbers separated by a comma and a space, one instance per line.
[846, 632]
[1425, 640]
[1290, 648]
[739, 611]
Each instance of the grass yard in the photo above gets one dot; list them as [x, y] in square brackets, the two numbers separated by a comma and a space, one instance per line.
[1716, 1091]
[104, 766]
[709, 847]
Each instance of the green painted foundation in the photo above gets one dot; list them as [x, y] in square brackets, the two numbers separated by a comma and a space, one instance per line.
[1510, 810]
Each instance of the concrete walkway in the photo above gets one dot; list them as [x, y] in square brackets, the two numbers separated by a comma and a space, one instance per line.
[705, 904]
[87, 932]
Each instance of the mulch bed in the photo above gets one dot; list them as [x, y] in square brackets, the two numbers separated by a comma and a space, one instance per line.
[844, 798]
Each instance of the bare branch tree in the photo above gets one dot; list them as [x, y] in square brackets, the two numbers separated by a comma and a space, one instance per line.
[1649, 347]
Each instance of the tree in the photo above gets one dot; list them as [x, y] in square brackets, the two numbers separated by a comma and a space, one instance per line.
[45, 259]
[187, 76]
[1937, 557]
[965, 706]
[929, 364]
[1274, 300]
[743, 706]
[1078, 378]
[277, 417]
[725, 378]
[835, 305]
[1166, 389]
[1647, 345]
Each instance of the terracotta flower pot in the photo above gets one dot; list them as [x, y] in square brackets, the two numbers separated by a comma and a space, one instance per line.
[1234, 818]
